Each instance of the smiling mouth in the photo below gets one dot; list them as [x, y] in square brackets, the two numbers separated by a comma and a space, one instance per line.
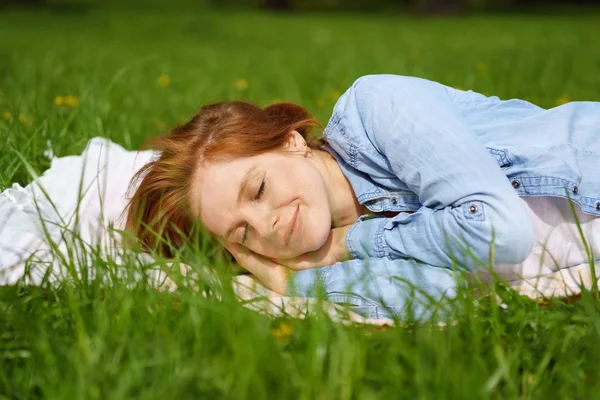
[288, 234]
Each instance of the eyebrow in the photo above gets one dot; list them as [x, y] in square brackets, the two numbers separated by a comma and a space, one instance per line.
[243, 188]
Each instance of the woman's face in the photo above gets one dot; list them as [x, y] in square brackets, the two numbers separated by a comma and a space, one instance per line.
[276, 204]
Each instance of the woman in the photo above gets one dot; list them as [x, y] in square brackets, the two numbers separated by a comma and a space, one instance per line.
[411, 179]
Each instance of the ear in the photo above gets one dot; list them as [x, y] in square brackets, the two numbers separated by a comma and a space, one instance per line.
[295, 142]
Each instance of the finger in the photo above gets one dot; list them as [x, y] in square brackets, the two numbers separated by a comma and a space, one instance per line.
[304, 261]
[273, 275]
[298, 265]
[236, 250]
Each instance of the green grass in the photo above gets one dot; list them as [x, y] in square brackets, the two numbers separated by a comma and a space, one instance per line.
[85, 339]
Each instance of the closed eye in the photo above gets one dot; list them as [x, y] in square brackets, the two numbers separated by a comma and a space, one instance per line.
[261, 190]
[259, 194]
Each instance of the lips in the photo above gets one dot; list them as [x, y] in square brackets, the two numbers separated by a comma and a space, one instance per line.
[290, 228]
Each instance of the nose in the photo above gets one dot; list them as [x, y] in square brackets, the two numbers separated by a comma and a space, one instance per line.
[264, 222]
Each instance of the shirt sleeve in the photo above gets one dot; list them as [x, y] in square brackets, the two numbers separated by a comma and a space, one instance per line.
[467, 201]
[381, 288]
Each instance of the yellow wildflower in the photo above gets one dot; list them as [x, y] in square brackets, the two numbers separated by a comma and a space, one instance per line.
[59, 101]
[481, 68]
[160, 124]
[163, 80]
[284, 330]
[7, 115]
[563, 99]
[25, 119]
[320, 103]
[241, 84]
[335, 95]
[71, 101]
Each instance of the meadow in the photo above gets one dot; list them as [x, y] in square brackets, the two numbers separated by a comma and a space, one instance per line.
[71, 74]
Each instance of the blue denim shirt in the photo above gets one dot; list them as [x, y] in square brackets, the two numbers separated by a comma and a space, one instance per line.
[453, 163]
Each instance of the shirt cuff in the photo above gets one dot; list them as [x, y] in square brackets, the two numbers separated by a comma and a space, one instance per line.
[305, 282]
[365, 237]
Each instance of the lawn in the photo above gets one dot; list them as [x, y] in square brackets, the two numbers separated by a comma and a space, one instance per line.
[72, 74]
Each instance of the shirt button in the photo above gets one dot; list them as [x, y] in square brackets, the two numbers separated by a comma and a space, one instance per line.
[575, 190]
[473, 209]
[394, 200]
[516, 184]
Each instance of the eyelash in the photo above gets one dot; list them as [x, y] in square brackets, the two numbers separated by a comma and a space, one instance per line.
[259, 194]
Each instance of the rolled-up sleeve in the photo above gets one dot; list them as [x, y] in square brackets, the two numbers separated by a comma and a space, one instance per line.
[380, 288]
[467, 201]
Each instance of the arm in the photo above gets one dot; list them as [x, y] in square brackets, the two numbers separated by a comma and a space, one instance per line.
[414, 124]
[374, 288]
[379, 287]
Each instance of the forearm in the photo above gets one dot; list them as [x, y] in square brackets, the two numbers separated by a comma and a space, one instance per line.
[464, 235]
[387, 287]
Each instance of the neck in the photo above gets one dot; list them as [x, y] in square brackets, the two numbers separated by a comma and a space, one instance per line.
[344, 205]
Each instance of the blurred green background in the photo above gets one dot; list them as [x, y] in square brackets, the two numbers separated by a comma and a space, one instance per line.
[425, 6]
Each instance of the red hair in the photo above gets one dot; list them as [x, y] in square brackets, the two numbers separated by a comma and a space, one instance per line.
[158, 213]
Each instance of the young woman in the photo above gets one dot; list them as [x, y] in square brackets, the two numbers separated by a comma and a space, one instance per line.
[410, 179]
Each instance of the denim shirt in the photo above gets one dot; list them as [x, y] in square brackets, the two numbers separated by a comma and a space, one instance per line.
[453, 164]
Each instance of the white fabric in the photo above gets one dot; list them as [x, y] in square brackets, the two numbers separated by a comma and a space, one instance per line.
[558, 263]
[102, 174]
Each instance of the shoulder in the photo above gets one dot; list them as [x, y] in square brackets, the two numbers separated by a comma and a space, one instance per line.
[373, 85]
[379, 109]
[376, 95]
[379, 99]
[361, 111]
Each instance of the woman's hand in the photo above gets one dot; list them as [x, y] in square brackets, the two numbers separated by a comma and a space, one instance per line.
[273, 275]
[334, 250]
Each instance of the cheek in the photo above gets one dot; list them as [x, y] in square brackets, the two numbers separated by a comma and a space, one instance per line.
[317, 214]
[317, 228]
